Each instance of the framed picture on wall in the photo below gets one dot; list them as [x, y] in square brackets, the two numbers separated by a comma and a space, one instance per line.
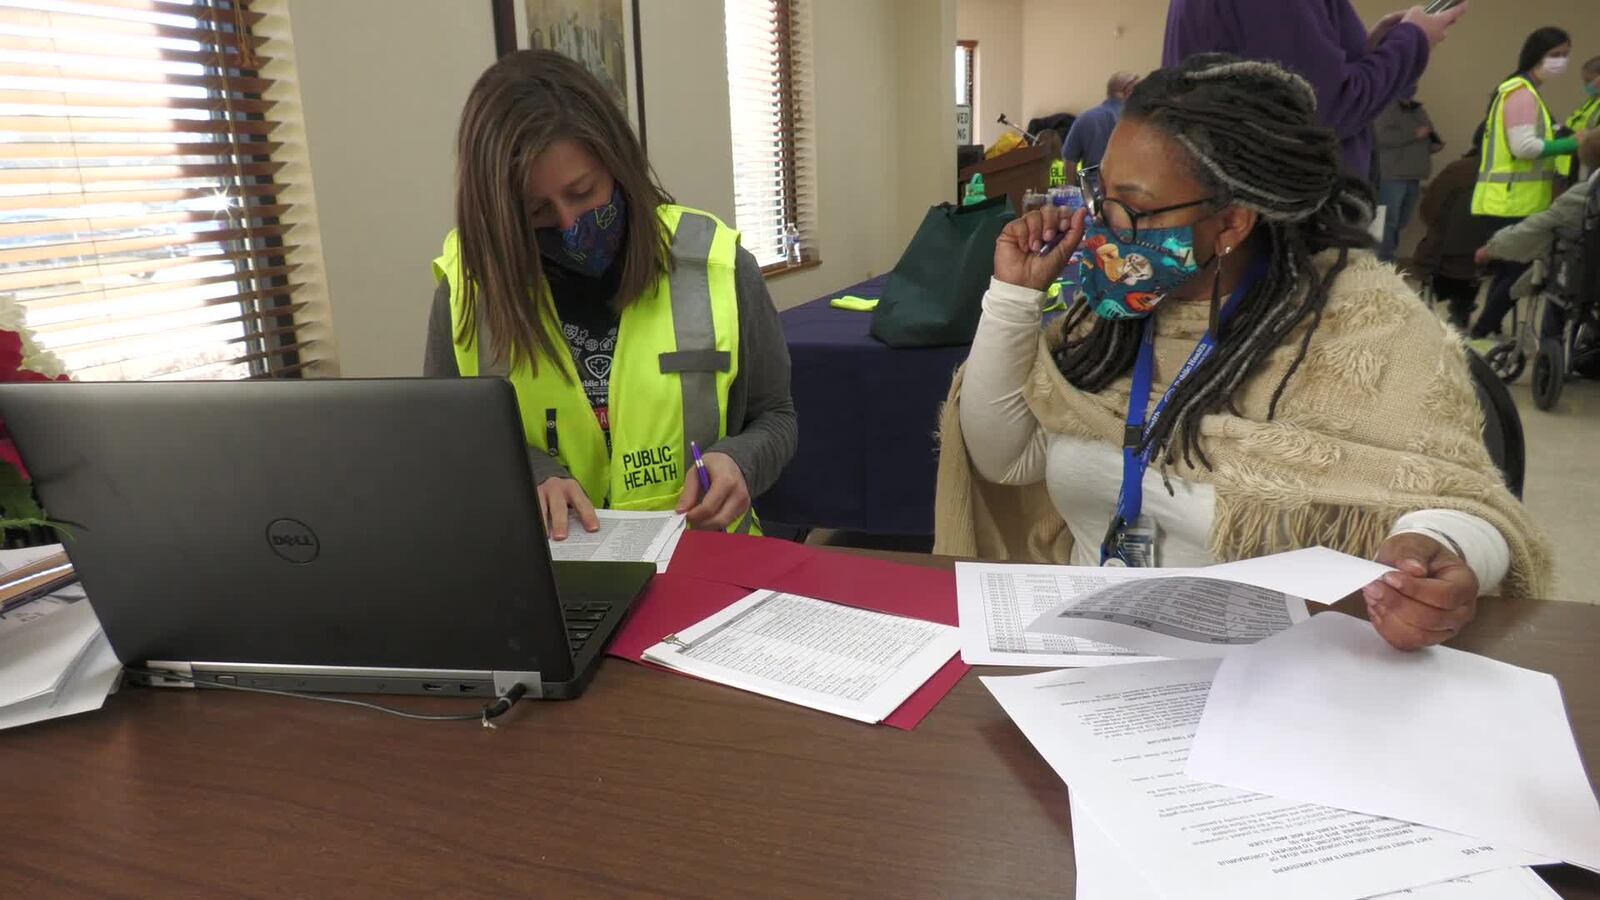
[601, 34]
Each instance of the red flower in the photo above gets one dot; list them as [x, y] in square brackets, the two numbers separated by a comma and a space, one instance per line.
[10, 355]
[11, 370]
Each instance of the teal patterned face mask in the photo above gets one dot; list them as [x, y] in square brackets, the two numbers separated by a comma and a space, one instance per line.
[1127, 279]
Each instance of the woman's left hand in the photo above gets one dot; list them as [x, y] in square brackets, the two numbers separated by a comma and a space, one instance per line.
[1429, 600]
[728, 499]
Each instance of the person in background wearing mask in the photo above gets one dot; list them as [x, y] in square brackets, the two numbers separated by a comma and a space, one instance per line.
[629, 326]
[1239, 375]
[1406, 144]
[1587, 116]
[1356, 73]
[1086, 140]
[1523, 162]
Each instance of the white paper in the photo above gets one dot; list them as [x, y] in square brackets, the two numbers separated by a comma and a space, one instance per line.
[1105, 872]
[91, 680]
[36, 652]
[1119, 736]
[1315, 573]
[623, 537]
[1182, 616]
[996, 603]
[847, 661]
[1329, 713]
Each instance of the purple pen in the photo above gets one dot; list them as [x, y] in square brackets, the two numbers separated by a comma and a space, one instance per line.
[700, 468]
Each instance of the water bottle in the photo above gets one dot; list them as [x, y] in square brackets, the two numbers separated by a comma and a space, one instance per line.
[791, 246]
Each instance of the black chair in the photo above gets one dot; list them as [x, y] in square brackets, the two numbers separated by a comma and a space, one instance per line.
[1502, 424]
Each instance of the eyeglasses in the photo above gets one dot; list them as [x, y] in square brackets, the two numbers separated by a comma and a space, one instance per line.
[1122, 219]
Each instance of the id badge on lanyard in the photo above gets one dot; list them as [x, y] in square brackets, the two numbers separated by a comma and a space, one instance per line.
[1133, 546]
[1133, 537]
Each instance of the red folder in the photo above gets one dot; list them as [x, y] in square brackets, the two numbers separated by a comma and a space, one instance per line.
[711, 571]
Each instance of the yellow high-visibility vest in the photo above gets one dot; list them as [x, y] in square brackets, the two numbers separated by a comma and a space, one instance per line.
[1509, 187]
[676, 358]
[1587, 115]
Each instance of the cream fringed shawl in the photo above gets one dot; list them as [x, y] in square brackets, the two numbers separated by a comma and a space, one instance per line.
[1380, 420]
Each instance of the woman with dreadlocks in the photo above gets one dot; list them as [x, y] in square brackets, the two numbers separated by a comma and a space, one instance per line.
[1240, 375]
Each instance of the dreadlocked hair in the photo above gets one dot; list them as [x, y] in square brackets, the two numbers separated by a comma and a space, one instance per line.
[1252, 136]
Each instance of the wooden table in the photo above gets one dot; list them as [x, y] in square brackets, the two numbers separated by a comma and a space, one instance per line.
[650, 784]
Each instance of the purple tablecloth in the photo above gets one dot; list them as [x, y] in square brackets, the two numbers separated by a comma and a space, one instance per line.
[868, 414]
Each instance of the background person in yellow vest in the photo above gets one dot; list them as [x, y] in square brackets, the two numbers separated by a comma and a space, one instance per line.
[1587, 116]
[1522, 162]
[628, 325]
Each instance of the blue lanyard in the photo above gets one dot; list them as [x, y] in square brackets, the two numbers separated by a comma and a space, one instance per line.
[1130, 500]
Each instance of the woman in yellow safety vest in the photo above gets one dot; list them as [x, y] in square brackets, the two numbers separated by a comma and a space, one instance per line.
[636, 332]
[1522, 160]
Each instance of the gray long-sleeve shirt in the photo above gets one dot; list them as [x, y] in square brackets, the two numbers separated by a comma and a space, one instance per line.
[762, 428]
[1402, 156]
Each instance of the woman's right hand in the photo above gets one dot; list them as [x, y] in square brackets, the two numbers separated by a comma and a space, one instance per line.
[1016, 253]
[558, 496]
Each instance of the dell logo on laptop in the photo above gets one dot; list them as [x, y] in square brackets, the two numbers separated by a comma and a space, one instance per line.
[293, 541]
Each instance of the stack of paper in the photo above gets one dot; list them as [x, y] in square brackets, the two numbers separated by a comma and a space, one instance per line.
[623, 537]
[851, 662]
[1085, 616]
[1120, 737]
[714, 570]
[54, 660]
[1329, 713]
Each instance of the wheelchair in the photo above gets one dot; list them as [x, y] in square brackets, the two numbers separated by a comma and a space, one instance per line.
[1557, 325]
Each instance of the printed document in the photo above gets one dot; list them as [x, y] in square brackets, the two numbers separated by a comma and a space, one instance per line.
[623, 537]
[1106, 873]
[997, 603]
[1154, 613]
[1182, 616]
[839, 659]
[1300, 716]
[1120, 735]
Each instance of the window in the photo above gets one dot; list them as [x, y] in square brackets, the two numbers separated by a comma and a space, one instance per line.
[769, 94]
[139, 225]
[966, 66]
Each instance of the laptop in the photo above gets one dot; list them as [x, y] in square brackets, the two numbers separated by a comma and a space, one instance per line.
[303, 535]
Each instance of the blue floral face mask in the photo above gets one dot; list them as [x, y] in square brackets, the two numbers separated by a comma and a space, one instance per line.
[590, 246]
[1127, 279]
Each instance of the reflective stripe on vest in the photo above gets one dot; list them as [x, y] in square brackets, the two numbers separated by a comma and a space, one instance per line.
[1508, 186]
[688, 322]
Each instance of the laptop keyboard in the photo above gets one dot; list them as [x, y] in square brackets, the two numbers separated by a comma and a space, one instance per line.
[582, 619]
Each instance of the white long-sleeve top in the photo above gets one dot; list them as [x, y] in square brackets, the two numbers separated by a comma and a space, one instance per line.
[1522, 124]
[1007, 445]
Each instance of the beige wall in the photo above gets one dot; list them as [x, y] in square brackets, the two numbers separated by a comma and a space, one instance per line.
[687, 131]
[1070, 48]
[381, 84]
[997, 27]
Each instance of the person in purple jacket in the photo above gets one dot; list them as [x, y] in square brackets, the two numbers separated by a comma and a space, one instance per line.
[1356, 74]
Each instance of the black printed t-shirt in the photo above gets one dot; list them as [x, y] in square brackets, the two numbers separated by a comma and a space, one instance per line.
[589, 326]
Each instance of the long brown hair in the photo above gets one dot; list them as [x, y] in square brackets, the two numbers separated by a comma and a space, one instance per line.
[519, 107]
